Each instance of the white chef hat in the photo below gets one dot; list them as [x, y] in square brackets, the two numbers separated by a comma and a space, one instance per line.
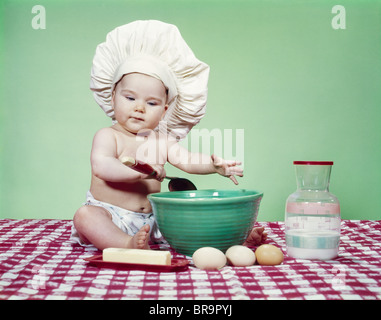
[156, 49]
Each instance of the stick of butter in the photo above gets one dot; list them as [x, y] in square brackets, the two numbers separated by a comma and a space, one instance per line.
[140, 256]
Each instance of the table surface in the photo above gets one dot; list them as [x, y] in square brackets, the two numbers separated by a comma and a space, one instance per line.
[39, 261]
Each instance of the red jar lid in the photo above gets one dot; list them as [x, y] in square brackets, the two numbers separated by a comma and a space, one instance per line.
[319, 163]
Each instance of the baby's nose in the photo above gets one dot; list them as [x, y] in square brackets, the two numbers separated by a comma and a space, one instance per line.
[139, 107]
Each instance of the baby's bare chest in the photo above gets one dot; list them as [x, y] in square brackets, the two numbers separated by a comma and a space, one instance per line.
[150, 150]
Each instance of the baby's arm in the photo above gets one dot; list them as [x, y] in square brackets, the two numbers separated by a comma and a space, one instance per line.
[104, 160]
[199, 163]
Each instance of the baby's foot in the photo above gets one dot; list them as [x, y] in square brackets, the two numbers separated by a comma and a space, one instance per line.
[256, 237]
[140, 239]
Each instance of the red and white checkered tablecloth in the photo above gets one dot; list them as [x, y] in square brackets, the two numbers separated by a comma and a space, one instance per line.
[38, 261]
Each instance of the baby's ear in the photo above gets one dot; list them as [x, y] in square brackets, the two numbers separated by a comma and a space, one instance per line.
[112, 98]
[164, 112]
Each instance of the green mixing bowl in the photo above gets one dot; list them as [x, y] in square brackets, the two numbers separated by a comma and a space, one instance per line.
[193, 219]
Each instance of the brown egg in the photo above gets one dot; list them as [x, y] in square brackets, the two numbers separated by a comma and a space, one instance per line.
[269, 255]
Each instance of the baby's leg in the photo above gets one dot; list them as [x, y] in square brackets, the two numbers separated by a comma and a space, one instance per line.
[94, 225]
[256, 237]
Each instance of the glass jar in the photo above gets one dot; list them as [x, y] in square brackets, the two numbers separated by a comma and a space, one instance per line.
[312, 215]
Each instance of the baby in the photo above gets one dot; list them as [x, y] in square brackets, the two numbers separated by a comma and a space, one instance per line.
[139, 103]
[117, 212]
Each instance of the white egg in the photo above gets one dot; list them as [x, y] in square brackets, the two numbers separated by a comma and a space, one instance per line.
[208, 258]
[240, 256]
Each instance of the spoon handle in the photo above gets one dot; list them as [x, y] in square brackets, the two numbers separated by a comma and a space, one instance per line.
[139, 166]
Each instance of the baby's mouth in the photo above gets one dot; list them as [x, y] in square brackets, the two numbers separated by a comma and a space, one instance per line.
[137, 118]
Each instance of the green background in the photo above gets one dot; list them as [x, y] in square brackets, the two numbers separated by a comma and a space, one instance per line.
[300, 89]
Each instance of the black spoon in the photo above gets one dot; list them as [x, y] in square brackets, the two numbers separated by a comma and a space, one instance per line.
[175, 184]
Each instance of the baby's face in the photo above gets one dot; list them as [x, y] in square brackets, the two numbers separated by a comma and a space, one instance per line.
[139, 102]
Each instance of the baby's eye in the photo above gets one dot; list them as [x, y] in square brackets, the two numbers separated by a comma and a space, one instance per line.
[152, 103]
[130, 98]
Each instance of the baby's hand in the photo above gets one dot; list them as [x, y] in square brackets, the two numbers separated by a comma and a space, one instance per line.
[160, 172]
[227, 168]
